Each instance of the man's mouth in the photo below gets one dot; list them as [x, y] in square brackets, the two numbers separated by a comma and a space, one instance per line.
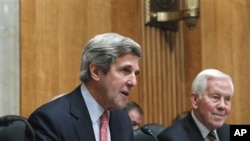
[125, 93]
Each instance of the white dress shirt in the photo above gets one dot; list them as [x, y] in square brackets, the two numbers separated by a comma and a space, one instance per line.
[95, 111]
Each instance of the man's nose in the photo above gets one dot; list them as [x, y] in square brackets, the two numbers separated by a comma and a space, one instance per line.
[132, 80]
[222, 103]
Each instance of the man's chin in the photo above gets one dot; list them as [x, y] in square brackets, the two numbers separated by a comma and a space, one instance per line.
[218, 124]
[120, 105]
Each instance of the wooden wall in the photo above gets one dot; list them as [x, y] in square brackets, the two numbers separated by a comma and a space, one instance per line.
[53, 33]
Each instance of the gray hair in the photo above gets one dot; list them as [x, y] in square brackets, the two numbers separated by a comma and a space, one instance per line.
[200, 82]
[103, 50]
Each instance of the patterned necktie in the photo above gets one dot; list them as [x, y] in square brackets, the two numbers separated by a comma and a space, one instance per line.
[104, 127]
[211, 136]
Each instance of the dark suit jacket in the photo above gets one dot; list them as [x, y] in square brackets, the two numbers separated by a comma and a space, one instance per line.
[67, 119]
[186, 130]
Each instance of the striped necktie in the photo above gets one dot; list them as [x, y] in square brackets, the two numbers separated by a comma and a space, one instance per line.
[211, 136]
[104, 126]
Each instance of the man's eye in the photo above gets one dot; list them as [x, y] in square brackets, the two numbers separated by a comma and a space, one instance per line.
[126, 70]
[215, 98]
[228, 99]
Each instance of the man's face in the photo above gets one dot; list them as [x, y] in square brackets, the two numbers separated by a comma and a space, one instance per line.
[136, 118]
[116, 85]
[214, 106]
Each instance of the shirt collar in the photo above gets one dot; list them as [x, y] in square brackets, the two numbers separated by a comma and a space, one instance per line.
[94, 108]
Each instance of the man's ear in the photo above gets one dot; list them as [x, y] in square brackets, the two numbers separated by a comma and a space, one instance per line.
[194, 100]
[94, 71]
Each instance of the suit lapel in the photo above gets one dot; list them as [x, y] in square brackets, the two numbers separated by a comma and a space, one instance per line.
[115, 130]
[194, 132]
[84, 130]
[83, 124]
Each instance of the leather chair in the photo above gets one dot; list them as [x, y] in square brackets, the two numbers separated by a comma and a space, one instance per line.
[148, 132]
[15, 128]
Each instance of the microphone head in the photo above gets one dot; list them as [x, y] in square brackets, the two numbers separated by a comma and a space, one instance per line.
[149, 132]
[146, 130]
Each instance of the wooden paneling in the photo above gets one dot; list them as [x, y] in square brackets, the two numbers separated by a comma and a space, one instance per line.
[162, 88]
[53, 33]
[240, 33]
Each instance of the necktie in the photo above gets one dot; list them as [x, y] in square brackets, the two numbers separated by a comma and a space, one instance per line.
[211, 136]
[104, 126]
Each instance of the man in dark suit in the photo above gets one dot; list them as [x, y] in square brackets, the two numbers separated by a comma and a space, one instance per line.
[110, 63]
[212, 91]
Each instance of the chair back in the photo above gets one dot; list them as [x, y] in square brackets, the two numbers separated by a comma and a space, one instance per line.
[15, 128]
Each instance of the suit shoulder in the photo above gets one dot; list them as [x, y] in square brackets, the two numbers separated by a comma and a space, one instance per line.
[176, 132]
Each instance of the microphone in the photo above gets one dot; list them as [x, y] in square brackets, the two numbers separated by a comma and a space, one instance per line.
[147, 131]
